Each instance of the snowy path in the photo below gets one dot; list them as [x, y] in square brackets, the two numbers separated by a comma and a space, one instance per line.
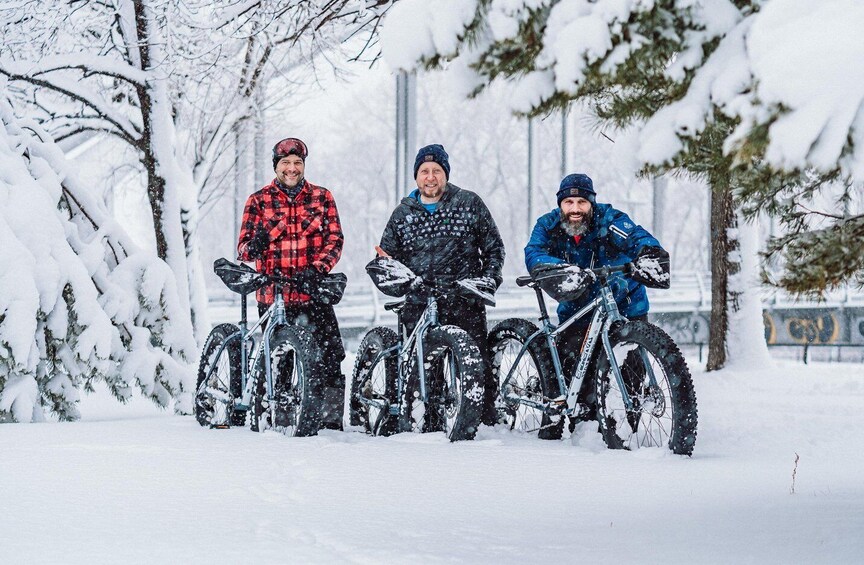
[132, 485]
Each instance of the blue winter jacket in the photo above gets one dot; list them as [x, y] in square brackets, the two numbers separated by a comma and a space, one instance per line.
[613, 239]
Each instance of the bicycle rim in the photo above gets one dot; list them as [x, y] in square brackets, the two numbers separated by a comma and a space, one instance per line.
[650, 420]
[524, 382]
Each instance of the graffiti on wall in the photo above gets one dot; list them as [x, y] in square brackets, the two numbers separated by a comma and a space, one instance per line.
[684, 327]
[782, 326]
[802, 326]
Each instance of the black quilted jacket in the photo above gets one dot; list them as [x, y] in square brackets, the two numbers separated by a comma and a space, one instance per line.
[460, 240]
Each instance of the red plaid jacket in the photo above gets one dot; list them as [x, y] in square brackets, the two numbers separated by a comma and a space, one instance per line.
[304, 231]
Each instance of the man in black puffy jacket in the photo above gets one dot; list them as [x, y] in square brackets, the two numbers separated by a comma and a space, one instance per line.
[445, 233]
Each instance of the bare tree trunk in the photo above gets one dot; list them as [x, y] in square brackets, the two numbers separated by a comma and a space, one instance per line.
[162, 190]
[722, 220]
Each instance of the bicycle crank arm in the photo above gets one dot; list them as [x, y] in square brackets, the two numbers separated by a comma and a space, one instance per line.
[380, 405]
[550, 407]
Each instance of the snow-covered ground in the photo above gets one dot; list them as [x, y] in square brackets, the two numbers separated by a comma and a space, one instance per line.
[131, 484]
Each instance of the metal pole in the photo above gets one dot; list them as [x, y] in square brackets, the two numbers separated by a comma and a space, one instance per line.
[659, 205]
[565, 165]
[406, 131]
[398, 145]
[530, 174]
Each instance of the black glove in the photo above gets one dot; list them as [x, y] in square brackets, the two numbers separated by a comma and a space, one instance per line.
[259, 242]
[392, 277]
[651, 267]
[480, 287]
[563, 282]
[306, 281]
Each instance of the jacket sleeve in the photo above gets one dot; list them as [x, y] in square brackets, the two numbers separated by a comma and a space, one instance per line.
[251, 220]
[391, 242]
[491, 245]
[539, 246]
[628, 236]
[331, 250]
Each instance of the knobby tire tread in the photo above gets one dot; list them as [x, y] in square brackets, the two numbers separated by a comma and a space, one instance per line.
[470, 368]
[520, 330]
[683, 396]
[307, 354]
[376, 340]
[214, 341]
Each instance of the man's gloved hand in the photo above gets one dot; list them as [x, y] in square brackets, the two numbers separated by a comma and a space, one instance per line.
[392, 277]
[651, 267]
[563, 282]
[480, 287]
[259, 242]
[306, 281]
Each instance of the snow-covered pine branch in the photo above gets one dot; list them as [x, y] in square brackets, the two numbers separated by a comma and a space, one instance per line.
[79, 301]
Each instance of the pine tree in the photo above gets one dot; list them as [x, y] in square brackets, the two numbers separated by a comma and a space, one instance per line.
[79, 302]
[678, 72]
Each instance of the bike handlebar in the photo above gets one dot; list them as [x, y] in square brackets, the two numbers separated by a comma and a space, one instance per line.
[605, 271]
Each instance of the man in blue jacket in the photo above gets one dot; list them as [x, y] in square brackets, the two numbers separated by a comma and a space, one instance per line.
[586, 234]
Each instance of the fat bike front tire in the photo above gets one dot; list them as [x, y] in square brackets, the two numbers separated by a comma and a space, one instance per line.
[373, 383]
[454, 370]
[295, 405]
[532, 379]
[219, 379]
[661, 415]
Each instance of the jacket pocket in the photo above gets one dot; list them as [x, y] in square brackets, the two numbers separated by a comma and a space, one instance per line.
[310, 224]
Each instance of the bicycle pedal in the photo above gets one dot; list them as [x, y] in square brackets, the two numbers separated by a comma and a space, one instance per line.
[556, 406]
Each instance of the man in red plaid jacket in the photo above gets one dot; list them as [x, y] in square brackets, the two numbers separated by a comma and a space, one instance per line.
[291, 227]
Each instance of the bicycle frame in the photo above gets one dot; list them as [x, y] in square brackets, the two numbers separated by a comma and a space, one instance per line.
[276, 314]
[605, 314]
[428, 319]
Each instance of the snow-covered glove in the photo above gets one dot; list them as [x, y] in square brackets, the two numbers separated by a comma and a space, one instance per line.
[330, 288]
[259, 242]
[392, 277]
[651, 267]
[306, 281]
[563, 282]
[480, 287]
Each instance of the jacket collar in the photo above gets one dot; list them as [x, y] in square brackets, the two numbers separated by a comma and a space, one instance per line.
[274, 187]
[449, 192]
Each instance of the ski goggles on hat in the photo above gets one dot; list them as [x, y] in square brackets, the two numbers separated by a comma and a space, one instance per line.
[290, 146]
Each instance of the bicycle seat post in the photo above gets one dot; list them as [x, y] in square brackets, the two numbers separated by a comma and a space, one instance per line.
[279, 303]
[432, 307]
[243, 319]
[541, 302]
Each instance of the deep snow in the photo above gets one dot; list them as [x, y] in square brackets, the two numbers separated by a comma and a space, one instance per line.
[133, 484]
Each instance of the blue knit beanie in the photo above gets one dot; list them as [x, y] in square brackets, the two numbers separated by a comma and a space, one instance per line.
[579, 185]
[436, 153]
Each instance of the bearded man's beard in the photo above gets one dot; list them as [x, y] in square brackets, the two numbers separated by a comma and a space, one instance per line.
[578, 227]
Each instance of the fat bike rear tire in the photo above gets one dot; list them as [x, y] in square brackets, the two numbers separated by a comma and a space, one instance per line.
[454, 370]
[533, 379]
[661, 416]
[373, 383]
[297, 391]
[219, 379]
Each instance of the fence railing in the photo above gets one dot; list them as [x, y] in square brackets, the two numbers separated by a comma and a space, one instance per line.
[683, 311]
